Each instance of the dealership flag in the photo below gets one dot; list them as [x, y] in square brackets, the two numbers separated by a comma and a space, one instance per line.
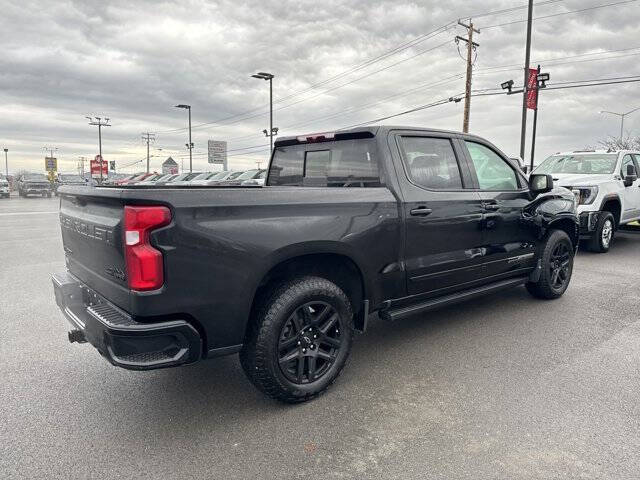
[532, 89]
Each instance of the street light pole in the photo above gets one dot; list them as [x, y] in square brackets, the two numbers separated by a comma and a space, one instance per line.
[621, 115]
[272, 131]
[190, 144]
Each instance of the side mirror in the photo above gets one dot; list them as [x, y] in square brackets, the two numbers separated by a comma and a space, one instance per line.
[539, 183]
[631, 175]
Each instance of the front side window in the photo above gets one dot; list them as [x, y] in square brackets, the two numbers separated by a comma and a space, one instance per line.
[431, 162]
[492, 171]
[343, 163]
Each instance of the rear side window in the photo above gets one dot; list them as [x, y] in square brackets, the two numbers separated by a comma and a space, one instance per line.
[493, 172]
[346, 163]
[431, 162]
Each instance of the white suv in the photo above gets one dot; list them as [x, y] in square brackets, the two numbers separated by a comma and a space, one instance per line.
[606, 187]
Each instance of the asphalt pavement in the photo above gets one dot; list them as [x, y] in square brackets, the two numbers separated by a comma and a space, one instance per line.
[505, 387]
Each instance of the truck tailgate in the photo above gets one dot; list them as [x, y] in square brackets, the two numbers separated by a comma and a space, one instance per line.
[93, 243]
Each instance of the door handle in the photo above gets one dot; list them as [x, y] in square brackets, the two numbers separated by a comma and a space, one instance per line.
[420, 211]
[491, 207]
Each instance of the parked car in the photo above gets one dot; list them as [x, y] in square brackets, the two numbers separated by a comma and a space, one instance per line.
[126, 179]
[34, 184]
[204, 180]
[606, 187]
[392, 220]
[256, 181]
[67, 179]
[4, 188]
[183, 179]
[248, 175]
[230, 175]
[150, 179]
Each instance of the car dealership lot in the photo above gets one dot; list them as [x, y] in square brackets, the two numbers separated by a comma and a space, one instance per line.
[515, 388]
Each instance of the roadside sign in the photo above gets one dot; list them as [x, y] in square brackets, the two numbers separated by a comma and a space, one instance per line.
[532, 89]
[95, 167]
[50, 164]
[217, 152]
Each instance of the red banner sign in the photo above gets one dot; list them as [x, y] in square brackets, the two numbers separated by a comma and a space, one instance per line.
[532, 89]
[95, 167]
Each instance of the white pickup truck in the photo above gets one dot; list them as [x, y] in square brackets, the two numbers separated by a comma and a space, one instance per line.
[606, 187]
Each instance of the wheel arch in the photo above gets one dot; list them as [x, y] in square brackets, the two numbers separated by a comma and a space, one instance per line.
[330, 260]
[567, 225]
[613, 204]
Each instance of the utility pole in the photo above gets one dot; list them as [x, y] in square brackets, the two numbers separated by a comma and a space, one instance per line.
[471, 47]
[51, 150]
[99, 123]
[6, 162]
[527, 58]
[151, 137]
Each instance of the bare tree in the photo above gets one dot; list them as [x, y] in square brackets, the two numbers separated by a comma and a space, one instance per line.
[624, 143]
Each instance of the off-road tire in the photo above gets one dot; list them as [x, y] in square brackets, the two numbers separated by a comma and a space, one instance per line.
[545, 288]
[260, 353]
[597, 243]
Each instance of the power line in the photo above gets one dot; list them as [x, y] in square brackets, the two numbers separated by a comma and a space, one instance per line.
[402, 47]
[561, 13]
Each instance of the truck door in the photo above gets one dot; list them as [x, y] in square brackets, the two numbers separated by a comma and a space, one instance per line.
[508, 242]
[443, 238]
[631, 200]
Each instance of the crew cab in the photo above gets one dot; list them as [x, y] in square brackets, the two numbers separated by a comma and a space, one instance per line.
[394, 221]
[34, 184]
[606, 187]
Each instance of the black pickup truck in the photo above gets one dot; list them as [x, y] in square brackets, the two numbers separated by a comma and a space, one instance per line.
[393, 220]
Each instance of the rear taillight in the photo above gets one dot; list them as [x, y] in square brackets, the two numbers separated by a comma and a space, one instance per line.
[144, 263]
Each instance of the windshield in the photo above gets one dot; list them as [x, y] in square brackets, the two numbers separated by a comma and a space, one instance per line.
[590, 164]
[35, 177]
[70, 178]
[248, 174]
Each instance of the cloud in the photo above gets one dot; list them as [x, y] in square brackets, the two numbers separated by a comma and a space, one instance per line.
[132, 61]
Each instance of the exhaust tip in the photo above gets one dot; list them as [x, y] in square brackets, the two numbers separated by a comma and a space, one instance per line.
[76, 336]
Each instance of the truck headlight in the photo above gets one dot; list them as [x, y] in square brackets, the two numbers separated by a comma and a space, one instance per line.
[585, 195]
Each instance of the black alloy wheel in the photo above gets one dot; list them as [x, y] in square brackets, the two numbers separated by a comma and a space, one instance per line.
[309, 343]
[559, 265]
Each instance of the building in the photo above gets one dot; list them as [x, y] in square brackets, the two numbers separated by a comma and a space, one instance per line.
[169, 166]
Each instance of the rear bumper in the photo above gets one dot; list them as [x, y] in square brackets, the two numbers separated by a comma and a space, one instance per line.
[121, 340]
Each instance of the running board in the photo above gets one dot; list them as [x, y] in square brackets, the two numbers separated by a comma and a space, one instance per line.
[434, 303]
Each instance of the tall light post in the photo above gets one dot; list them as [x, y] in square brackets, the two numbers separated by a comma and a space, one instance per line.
[6, 162]
[621, 115]
[269, 76]
[99, 123]
[190, 144]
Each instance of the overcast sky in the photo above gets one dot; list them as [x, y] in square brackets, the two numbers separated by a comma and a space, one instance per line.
[132, 61]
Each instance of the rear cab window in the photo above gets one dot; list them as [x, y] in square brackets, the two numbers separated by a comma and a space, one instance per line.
[341, 163]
